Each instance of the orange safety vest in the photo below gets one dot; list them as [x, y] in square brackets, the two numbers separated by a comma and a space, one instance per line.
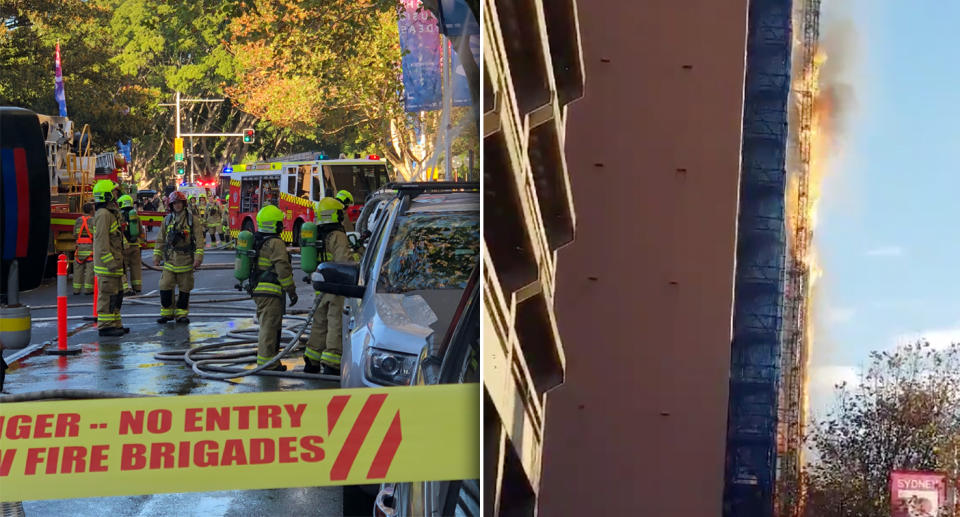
[84, 229]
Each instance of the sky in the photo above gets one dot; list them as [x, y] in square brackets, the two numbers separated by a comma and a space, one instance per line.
[887, 237]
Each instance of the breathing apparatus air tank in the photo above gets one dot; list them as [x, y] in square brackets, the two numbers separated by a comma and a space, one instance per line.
[245, 253]
[308, 247]
[134, 225]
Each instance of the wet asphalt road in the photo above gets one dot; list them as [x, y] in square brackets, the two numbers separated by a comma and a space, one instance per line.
[127, 364]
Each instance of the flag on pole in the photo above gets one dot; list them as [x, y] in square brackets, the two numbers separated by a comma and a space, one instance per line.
[58, 93]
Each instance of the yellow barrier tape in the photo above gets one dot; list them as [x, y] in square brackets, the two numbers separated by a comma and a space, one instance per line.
[113, 447]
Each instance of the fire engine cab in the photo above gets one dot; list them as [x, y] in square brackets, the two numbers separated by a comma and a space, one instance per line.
[295, 186]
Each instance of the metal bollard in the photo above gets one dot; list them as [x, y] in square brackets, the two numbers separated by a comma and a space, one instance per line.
[15, 322]
[62, 348]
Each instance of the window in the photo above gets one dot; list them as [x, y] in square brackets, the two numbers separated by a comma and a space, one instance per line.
[370, 257]
[316, 188]
[329, 185]
[360, 180]
[303, 182]
[431, 251]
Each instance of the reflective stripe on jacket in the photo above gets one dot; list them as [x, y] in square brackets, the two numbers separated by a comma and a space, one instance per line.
[275, 274]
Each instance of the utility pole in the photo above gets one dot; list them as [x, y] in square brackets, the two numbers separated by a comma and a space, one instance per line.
[247, 133]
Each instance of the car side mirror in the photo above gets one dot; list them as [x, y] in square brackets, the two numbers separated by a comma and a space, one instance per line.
[338, 278]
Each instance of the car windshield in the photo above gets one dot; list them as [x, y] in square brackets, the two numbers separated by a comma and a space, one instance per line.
[431, 251]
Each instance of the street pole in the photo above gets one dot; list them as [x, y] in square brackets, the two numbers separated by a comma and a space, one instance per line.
[191, 153]
[178, 114]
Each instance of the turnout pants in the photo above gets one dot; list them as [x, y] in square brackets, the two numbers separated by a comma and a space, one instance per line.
[109, 301]
[83, 276]
[132, 269]
[270, 315]
[325, 335]
[177, 273]
[212, 230]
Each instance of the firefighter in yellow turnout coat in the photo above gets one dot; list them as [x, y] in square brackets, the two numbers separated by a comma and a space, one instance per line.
[213, 218]
[83, 258]
[180, 248]
[324, 348]
[273, 275]
[133, 235]
[108, 258]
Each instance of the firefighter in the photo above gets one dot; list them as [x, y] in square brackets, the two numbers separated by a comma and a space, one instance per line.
[133, 235]
[345, 197]
[108, 258]
[180, 249]
[192, 200]
[273, 274]
[202, 207]
[324, 348]
[213, 218]
[83, 258]
[225, 224]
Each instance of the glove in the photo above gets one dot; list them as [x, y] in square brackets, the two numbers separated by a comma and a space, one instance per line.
[196, 263]
[293, 298]
[156, 260]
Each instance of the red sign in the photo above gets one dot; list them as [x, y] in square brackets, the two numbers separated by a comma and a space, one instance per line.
[916, 494]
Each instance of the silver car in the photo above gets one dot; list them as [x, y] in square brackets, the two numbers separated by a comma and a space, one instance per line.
[401, 298]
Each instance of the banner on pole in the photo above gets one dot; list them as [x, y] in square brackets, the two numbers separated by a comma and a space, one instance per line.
[422, 56]
[58, 91]
[116, 447]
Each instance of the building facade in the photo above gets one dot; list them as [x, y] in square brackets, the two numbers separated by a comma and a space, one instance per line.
[645, 294]
[533, 71]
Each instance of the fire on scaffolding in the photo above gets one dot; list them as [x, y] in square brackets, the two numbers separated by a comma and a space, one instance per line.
[775, 267]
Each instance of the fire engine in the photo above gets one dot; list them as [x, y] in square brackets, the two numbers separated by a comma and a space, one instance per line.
[72, 171]
[294, 186]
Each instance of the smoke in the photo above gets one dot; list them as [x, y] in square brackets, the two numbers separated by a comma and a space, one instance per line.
[837, 100]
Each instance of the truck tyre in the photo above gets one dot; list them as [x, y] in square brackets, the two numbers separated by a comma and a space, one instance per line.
[24, 197]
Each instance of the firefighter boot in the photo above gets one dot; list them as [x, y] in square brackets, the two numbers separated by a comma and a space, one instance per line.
[166, 306]
[116, 302]
[310, 366]
[183, 304]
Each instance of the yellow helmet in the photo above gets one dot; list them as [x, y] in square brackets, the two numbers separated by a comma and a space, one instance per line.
[103, 191]
[345, 197]
[270, 219]
[329, 210]
[125, 201]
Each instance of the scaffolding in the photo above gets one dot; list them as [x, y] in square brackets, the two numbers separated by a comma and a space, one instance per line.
[750, 470]
[792, 397]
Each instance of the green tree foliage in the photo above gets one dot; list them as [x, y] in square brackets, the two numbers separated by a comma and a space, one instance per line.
[97, 92]
[306, 74]
[904, 415]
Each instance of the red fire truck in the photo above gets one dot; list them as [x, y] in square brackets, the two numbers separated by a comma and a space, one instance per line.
[296, 185]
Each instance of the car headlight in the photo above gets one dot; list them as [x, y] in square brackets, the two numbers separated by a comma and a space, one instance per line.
[386, 367]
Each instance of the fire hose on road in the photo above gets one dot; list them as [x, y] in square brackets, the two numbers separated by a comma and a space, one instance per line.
[221, 361]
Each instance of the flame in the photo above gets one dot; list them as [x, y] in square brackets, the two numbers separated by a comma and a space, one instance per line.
[811, 131]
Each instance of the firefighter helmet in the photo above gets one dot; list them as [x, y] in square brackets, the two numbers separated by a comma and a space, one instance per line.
[125, 201]
[174, 197]
[270, 219]
[345, 197]
[329, 211]
[103, 191]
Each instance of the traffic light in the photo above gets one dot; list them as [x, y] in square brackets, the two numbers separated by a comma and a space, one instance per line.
[248, 136]
[178, 149]
[181, 168]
